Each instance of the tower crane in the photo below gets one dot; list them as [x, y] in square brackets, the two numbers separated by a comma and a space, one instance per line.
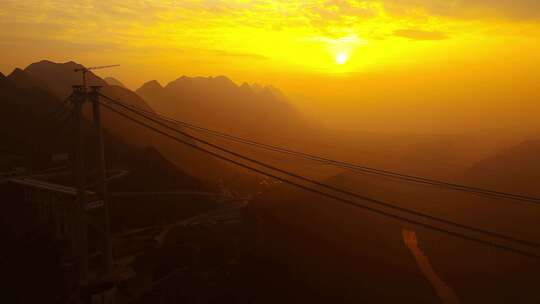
[85, 70]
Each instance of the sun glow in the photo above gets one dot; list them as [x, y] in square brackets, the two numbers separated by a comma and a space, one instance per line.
[342, 58]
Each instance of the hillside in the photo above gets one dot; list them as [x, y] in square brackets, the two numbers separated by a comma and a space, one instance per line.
[515, 169]
[349, 248]
[27, 105]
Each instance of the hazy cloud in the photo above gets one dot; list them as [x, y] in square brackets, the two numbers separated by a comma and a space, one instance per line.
[145, 27]
[415, 34]
[125, 21]
[222, 53]
[510, 9]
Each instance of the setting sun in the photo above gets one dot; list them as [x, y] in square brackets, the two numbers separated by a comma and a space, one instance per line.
[342, 58]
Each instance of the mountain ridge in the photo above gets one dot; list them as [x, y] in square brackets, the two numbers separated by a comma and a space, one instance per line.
[217, 102]
[114, 82]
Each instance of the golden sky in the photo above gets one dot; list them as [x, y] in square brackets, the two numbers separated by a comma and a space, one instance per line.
[341, 56]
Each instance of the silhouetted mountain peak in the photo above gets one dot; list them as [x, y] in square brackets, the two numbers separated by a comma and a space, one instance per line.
[185, 80]
[22, 79]
[246, 87]
[257, 88]
[115, 82]
[269, 92]
[224, 79]
[47, 63]
[202, 83]
[59, 77]
[17, 72]
[42, 62]
[72, 65]
[218, 102]
[3, 79]
[149, 88]
[152, 84]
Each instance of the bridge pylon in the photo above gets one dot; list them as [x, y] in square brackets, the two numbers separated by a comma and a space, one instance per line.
[81, 96]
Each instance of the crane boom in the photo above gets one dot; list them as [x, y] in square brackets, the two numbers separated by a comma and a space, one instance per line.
[83, 69]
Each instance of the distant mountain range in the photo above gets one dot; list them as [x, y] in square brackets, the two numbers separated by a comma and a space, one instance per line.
[261, 113]
[38, 89]
[218, 103]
